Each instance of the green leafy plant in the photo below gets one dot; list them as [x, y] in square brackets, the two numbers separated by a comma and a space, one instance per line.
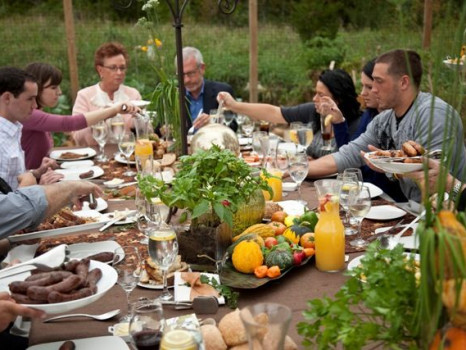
[375, 306]
[231, 297]
[213, 181]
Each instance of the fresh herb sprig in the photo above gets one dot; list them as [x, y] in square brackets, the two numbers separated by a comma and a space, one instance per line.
[231, 297]
[378, 311]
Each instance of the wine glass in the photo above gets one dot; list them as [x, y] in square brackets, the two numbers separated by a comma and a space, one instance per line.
[282, 159]
[298, 168]
[247, 127]
[126, 144]
[349, 181]
[146, 324]
[126, 262]
[326, 131]
[357, 172]
[256, 141]
[359, 203]
[117, 126]
[240, 119]
[148, 215]
[99, 132]
[305, 135]
[229, 116]
[163, 249]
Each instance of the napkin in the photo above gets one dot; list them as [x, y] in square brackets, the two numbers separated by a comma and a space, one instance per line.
[23, 252]
[197, 287]
[292, 207]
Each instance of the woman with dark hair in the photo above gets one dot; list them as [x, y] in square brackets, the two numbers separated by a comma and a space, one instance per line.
[335, 85]
[36, 138]
[110, 62]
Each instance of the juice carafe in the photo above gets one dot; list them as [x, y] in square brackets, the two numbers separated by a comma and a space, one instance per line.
[275, 182]
[143, 150]
[269, 148]
[329, 231]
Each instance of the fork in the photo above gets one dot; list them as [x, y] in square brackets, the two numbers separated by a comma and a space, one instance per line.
[101, 317]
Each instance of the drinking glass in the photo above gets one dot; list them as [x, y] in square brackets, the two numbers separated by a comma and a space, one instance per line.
[100, 132]
[349, 181]
[148, 216]
[282, 159]
[359, 203]
[216, 116]
[256, 141]
[305, 136]
[118, 126]
[240, 119]
[163, 249]
[266, 325]
[126, 262]
[357, 172]
[298, 168]
[229, 116]
[247, 127]
[126, 145]
[146, 324]
[326, 131]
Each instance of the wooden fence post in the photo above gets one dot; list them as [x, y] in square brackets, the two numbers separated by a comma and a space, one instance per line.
[72, 62]
[253, 51]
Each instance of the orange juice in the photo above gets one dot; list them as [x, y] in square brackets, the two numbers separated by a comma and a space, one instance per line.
[329, 236]
[275, 182]
[143, 148]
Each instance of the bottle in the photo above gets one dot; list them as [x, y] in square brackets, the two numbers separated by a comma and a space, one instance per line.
[329, 233]
[178, 339]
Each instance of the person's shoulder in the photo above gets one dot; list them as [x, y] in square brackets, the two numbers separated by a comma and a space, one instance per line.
[218, 85]
[87, 90]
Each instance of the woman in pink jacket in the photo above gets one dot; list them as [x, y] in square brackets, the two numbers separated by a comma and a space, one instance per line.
[111, 63]
[36, 139]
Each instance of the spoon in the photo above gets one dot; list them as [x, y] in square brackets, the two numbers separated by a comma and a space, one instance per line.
[101, 317]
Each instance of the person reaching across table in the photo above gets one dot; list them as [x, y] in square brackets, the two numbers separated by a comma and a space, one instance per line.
[200, 93]
[9, 310]
[334, 84]
[111, 62]
[408, 114]
[36, 139]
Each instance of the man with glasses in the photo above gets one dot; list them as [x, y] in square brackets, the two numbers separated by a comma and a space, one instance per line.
[201, 93]
[110, 62]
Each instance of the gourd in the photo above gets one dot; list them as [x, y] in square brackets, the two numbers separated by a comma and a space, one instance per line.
[294, 233]
[250, 237]
[247, 255]
[454, 339]
[262, 230]
[282, 257]
[249, 213]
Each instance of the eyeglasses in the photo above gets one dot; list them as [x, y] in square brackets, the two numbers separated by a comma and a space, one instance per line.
[191, 73]
[116, 68]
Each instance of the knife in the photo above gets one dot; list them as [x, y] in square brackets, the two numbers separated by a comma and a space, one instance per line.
[124, 215]
[388, 232]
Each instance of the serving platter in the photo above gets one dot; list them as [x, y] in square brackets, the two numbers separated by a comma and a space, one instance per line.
[85, 152]
[392, 165]
[230, 277]
[104, 342]
[83, 250]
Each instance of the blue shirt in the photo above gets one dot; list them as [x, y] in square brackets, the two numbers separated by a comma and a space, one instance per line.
[196, 105]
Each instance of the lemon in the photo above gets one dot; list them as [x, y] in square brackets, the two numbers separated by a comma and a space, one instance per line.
[328, 120]
[289, 220]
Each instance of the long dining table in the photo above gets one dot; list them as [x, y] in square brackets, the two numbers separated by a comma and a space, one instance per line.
[293, 290]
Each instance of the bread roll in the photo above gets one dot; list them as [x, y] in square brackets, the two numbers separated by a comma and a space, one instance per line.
[212, 338]
[232, 329]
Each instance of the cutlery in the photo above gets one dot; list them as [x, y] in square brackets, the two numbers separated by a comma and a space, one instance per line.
[120, 217]
[385, 233]
[101, 317]
[393, 240]
[200, 305]
[127, 184]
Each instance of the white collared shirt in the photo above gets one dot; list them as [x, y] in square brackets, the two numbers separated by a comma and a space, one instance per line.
[12, 161]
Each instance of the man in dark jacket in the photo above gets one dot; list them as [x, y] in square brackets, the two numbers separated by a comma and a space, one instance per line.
[201, 93]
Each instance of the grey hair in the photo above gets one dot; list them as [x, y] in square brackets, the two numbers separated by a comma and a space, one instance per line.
[189, 52]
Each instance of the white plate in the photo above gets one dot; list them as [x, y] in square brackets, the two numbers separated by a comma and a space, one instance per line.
[140, 103]
[409, 242]
[373, 189]
[292, 207]
[393, 167]
[452, 65]
[290, 147]
[183, 292]
[77, 164]
[73, 173]
[86, 153]
[83, 250]
[289, 186]
[152, 286]
[90, 213]
[113, 183]
[357, 261]
[105, 342]
[121, 159]
[385, 212]
[108, 280]
[128, 220]
[101, 205]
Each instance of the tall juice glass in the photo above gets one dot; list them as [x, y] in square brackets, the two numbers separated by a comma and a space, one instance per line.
[144, 151]
[329, 232]
[275, 182]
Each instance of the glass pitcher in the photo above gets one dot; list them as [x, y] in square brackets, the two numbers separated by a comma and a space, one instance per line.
[329, 231]
[269, 144]
[143, 150]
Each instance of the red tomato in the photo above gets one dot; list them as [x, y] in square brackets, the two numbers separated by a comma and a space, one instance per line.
[278, 227]
[270, 242]
[307, 240]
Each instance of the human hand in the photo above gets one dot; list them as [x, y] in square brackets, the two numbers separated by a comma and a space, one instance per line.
[50, 177]
[45, 165]
[130, 108]
[81, 191]
[9, 310]
[201, 121]
[227, 100]
[26, 179]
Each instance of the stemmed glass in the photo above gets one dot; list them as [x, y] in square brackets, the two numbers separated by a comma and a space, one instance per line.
[247, 127]
[240, 119]
[99, 132]
[146, 324]
[359, 205]
[118, 128]
[126, 262]
[229, 116]
[148, 216]
[256, 141]
[163, 249]
[349, 181]
[298, 168]
[305, 135]
[126, 144]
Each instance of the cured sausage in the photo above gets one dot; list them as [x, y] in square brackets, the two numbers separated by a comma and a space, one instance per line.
[419, 149]
[22, 286]
[102, 257]
[24, 299]
[92, 278]
[68, 345]
[42, 293]
[409, 149]
[87, 174]
[57, 297]
[40, 275]
[82, 269]
[71, 265]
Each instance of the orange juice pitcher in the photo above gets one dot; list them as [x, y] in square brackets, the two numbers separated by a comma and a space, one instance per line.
[329, 231]
[143, 150]
[275, 182]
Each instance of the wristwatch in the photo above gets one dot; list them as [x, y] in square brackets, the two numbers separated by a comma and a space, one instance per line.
[124, 107]
[456, 188]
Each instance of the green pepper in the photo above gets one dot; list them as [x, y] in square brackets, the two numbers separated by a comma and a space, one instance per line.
[308, 219]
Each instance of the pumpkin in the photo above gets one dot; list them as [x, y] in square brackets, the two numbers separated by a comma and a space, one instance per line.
[294, 233]
[457, 312]
[247, 255]
[281, 256]
[262, 230]
[250, 213]
[249, 237]
[453, 339]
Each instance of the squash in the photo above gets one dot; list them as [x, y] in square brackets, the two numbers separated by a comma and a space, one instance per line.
[453, 339]
[249, 214]
[247, 255]
[281, 256]
[294, 233]
[262, 230]
[249, 237]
